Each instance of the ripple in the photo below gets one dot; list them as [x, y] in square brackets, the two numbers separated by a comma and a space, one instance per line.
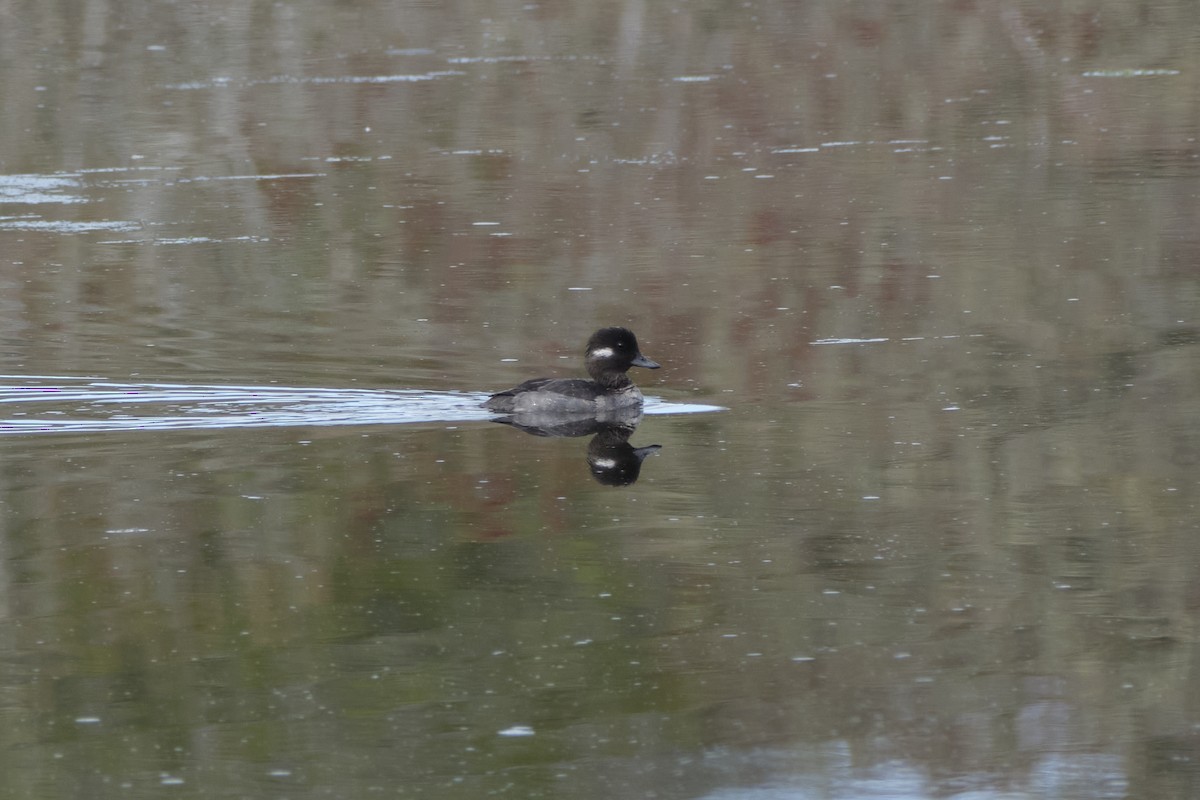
[55, 405]
[66, 226]
[318, 80]
[40, 189]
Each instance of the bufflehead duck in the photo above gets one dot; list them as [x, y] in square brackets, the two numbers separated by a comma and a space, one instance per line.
[610, 353]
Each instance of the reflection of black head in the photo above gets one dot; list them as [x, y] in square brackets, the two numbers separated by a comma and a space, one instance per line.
[613, 460]
[558, 424]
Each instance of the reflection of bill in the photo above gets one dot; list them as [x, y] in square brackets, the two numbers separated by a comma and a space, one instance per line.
[611, 458]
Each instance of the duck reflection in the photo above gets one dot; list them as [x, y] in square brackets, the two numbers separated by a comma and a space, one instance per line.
[612, 460]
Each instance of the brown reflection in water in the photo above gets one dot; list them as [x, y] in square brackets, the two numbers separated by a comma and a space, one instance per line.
[1003, 193]
[598, 163]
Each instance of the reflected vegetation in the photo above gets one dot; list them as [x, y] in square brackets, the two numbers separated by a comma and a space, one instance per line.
[936, 263]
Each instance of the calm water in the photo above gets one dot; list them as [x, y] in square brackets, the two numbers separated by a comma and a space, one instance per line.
[925, 281]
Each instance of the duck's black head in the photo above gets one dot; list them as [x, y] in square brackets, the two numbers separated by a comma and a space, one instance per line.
[610, 354]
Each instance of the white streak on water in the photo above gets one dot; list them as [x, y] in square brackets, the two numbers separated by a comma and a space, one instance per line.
[33, 189]
[317, 80]
[903, 339]
[64, 226]
[279, 177]
[44, 404]
[849, 341]
[514, 59]
[517, 730]
[1129, 73]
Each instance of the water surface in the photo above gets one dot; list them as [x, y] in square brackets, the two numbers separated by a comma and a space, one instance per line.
[928, 270]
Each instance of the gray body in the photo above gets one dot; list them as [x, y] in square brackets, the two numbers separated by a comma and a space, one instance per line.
[564, 396]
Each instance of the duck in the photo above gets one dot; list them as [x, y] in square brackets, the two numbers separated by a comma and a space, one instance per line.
[610, 353]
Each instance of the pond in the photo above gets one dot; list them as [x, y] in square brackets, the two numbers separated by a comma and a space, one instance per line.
[911, 510]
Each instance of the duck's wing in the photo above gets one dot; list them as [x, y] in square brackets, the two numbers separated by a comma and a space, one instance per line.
[563, 387]
[527, 386]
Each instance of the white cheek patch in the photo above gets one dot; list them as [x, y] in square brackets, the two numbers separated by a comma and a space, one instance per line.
[603, 352]
[605, 463]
